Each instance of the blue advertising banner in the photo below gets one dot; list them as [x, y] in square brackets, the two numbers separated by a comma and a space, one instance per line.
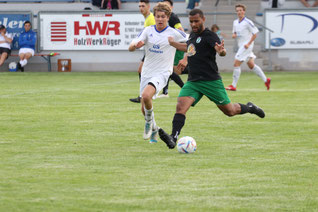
[14, 24]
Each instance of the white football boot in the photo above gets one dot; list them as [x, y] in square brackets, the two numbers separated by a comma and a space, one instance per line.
[154, 136]
[148, 129]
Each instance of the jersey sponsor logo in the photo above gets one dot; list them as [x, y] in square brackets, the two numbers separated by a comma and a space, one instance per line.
[155, 51]
[156, 46]
[191, 50]
[198, 40]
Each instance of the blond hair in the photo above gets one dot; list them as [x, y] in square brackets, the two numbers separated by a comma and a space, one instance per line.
[162, 7]
[241, 5]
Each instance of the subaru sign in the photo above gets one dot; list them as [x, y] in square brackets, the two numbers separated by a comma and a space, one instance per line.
[293, 29]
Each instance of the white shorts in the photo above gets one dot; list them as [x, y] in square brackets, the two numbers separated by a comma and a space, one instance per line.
[26, 50]
[244, 54]
[159, 81]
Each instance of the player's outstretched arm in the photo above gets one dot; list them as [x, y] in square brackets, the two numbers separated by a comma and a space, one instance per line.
[133, 46]
[219, 48]
[182, 64]
[177, 45]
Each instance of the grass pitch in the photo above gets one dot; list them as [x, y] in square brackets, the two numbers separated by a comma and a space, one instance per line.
[73, 142]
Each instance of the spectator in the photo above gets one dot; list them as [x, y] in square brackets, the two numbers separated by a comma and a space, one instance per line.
[5, 44]
[193, 4]
[305, 2]
[276, 3]
[27, 42]
[111, 4]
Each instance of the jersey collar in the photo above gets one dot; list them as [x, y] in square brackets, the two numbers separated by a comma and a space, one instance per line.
[242, 20]
[161, 30]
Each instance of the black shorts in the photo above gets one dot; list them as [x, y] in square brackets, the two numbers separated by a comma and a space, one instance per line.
[8, 51]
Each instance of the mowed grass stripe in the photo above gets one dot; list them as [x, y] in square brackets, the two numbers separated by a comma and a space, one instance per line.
[73, 142]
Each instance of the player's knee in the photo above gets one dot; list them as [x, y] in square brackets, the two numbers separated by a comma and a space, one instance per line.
[180, 109]
[146, 97]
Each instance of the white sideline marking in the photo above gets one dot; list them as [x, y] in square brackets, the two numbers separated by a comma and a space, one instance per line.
[59, 89]
[276, 90]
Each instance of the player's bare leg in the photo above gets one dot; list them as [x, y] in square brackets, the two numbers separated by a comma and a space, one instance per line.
[233, 109]
[147, 109]
[3, 57]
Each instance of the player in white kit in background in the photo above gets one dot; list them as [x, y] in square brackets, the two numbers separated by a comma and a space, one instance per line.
[158, 64]
[245, 32]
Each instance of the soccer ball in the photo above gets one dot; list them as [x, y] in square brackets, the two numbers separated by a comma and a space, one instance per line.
[186, 145]
[13, 66]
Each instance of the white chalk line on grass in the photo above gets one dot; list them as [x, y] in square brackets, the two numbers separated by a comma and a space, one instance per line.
[60, 89]
[277, 90]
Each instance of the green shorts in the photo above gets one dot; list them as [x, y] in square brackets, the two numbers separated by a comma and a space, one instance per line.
[177, 57]
[214, 90]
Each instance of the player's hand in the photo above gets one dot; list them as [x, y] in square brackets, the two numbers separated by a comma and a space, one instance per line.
[171, 40]
[182, 64]
[219, 47]
[246, 46]
[234, 35]
[139, 44]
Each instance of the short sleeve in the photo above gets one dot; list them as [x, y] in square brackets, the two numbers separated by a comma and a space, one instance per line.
[174, 20]
[212, 38]
[180, 36]
[252, 28]
[142, 35]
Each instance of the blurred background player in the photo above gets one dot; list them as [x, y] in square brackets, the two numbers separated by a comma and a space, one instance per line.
[5, 44]
[245, 32]
[27, 42]
[216, 29]
[158, 65]
[173, 22]
[144, 8]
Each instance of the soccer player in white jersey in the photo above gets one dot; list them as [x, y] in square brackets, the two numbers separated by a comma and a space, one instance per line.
[245, 32]
[158, 64]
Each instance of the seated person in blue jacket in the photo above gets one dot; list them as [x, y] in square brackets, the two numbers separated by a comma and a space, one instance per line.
[27, 42]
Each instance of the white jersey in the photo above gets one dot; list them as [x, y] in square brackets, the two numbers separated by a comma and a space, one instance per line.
[5, 45]
[244, 31]
[159, 53]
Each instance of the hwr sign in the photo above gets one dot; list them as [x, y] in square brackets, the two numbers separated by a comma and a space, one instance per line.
[97, 28]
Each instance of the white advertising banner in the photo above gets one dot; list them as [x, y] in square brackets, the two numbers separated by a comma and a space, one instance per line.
[88, 31]
[293, 29]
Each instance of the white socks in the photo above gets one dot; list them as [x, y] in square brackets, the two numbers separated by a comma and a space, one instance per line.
[150, 116]
[258, 71]
[237, 72]
[23, 62]
[236, 76]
